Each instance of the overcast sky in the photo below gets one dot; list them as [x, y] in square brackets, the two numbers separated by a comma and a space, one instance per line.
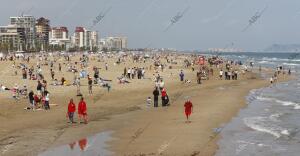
[205, 24]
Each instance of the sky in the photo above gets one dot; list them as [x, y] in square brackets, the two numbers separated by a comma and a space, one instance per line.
[205, 24]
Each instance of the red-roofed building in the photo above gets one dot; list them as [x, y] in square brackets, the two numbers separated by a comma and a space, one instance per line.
[59, 36]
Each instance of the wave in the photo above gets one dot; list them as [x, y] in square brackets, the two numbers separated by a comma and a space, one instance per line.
[283, 103]
[287, 103]
[291, 64]
[265, 62]
[264, 124]
[264, 98]
[279, 59]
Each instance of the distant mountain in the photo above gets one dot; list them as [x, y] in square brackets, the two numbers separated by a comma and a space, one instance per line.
[283, 48]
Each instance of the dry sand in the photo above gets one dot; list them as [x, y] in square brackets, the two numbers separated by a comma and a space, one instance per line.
[138, 130]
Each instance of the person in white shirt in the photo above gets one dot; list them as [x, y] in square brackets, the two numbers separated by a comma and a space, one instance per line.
[143, 73]
[128, 73]
[221, 74]
[161, 84]
[47, 99]
[3, 88]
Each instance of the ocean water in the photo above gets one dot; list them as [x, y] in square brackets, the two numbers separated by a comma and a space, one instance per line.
[270, 124]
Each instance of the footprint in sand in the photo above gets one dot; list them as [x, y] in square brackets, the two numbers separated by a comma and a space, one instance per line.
[164, 146]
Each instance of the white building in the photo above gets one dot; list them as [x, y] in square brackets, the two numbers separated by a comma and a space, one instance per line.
[59, 36]
[84, 38]
[13, 36]
[28, 23]
[114, 43]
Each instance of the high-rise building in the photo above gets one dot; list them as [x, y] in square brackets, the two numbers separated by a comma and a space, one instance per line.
[28, 23]
[13, 36]
[116, 43]
[84, 38]
[124, 42]
[59, 36]
[42, 31]
[94, 37]
[79, 37]
[87, 39]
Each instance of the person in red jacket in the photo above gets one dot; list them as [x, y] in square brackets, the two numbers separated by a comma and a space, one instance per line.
[71, 110]
[82, 114]
[163, 97]
[188, 109]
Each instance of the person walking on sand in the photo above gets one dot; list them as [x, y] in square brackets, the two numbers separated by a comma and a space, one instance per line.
[181, 75]
[221, 74]
[106, 66]
[71, 110]
[31, 100]
[82, 114]
[90, 84]
[155, 94]
[163, 97]
[188, 109]
[47, 99]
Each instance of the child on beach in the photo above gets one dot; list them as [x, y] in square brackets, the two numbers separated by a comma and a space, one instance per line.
[221, 74]
[188, 109]
[271, 80]
[46, 99]
[149, 101]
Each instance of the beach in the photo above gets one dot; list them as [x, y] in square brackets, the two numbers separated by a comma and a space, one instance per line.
[136, 128]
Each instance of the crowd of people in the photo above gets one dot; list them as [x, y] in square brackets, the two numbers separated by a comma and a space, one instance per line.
[39, 98]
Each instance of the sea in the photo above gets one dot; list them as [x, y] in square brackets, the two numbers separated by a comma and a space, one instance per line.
[270, 124]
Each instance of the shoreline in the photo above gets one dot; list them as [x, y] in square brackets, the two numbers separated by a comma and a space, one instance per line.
[207, 147]
[124, 112]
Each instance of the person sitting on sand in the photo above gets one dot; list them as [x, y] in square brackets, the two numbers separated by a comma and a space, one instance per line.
[122, 80]
[63, 81]
[188, 109]
[149, 101]
[15, 92]
[82, 114]
[23, 91]
[37, 100]
[71, 110]
[3, 88]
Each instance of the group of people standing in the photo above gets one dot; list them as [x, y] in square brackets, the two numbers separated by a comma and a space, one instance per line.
[82, 111]
[164, 96]
[131, 73]
[228, 74]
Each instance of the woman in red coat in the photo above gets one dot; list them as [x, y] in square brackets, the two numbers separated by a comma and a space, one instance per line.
[71, 110]
[163, 97]
[188, 109]
[82, 110]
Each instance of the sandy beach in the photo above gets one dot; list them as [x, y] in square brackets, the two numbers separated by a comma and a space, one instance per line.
[137, 129]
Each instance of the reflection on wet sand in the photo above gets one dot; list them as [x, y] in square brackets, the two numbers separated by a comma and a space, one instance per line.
[95, 145]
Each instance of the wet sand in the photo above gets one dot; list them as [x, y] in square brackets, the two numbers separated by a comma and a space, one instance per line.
[137, 129]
